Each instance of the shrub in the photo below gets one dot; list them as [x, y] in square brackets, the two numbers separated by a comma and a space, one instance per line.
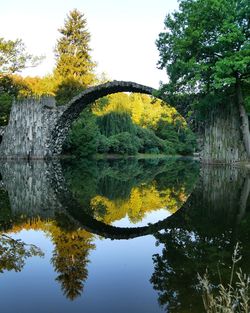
[5, 107]
[103, 144]
[231, 298]
[83, 137]
[124, 143]
[149, 140]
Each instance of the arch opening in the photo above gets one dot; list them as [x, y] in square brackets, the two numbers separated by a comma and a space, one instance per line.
[81, 101]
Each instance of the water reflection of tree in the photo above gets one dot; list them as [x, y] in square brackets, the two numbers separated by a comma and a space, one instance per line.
[70, 258]
[203, 238]
[117, 188]
[142, 200]
[13, 253]
[184, 255]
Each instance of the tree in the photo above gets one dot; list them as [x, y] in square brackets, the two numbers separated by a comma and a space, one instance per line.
[73, 60]
[13, 253]
[11, 86]
[115, 122]
[205, 50]
[70, 259]
[14, 58]
[83, 137]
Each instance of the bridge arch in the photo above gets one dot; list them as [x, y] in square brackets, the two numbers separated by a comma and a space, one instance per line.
[78, 103]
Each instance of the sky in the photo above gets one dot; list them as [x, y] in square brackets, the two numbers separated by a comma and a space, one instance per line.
[123, 33]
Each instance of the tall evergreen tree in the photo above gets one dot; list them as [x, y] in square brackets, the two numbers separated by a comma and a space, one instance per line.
[74, 66]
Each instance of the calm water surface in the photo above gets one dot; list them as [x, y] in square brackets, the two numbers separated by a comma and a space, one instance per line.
[117, 236]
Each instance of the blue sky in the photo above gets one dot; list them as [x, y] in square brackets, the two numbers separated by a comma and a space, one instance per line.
[123, 33]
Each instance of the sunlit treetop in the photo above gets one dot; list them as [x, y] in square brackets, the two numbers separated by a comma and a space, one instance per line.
[73, 60]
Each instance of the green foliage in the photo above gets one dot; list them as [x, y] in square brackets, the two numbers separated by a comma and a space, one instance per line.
[83, 137]
[150, 143]
[119, 133]
[66, 90]
[10, 88]
[246, 93]
[114, 132]
[203, 54]
[87, 138]
[188, 140]
[5, 107]
[124, 143]
[10, 85]
[14, 58]
[182, 139]
[103, 144]
[114, 123]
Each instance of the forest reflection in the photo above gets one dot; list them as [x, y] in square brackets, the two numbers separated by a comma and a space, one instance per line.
[131, 188]
[215, 218]
[107, 191]
[214, 215]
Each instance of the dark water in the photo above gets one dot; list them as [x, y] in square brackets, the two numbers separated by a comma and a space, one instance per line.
[118, 236]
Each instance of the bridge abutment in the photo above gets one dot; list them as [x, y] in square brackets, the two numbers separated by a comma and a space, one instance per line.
[222, 137]
[28, 132]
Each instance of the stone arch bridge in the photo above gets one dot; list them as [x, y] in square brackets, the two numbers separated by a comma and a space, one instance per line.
[37, 128]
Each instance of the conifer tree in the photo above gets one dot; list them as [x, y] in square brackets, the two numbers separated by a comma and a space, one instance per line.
[74, 66]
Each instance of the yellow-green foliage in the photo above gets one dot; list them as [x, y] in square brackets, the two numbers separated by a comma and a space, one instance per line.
[144, 110]
[40, 86]
[142, 200]
[33, 86]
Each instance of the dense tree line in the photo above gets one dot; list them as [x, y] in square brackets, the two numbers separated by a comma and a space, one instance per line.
[128, 124]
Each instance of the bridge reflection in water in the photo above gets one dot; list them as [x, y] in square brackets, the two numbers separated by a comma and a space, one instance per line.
[73, 203]
[40, 190]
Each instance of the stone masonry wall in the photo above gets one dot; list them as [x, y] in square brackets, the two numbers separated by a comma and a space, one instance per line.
[29, 128]
[222, 138]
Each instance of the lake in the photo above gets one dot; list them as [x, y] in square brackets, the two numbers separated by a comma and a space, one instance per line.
[125, 235]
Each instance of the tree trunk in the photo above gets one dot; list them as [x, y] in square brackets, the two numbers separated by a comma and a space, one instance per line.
[244, 117]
